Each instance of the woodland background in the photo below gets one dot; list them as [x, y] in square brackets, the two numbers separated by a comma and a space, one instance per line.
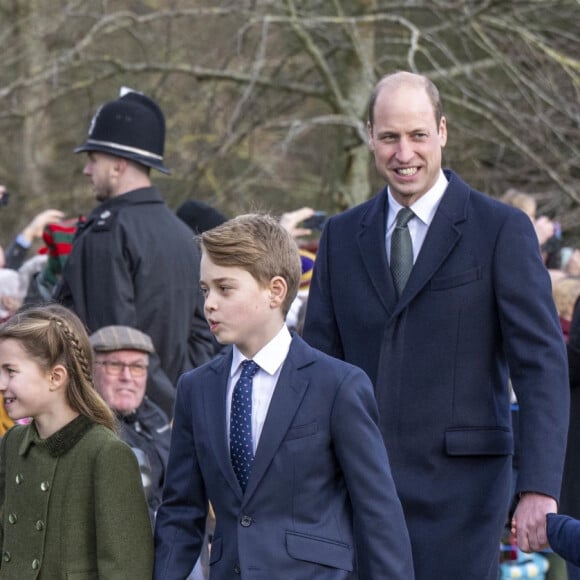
[266, 100]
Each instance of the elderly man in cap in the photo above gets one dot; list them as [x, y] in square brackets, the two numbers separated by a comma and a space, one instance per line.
[120, 375]
[133, 261]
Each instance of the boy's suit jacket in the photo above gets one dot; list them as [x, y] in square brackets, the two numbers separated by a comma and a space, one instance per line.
[564, 537]
[320, 459]
[477, 307]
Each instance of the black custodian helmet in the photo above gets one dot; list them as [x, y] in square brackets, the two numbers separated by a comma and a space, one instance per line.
[133, 127]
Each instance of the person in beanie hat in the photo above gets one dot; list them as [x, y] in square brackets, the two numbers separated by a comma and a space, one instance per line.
[120, 376]
[134, 262]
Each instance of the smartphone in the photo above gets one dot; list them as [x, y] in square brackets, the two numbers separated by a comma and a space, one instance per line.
[316, 221]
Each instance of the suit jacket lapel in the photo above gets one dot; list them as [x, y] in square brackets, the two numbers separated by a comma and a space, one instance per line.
[441, 238]
[216, 419]
[371, 242]
[286, 399]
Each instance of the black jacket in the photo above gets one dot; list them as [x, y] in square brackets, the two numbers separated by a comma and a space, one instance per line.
[135, 263]
[148, 430]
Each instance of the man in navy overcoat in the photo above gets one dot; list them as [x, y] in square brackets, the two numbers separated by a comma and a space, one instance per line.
[476, 309]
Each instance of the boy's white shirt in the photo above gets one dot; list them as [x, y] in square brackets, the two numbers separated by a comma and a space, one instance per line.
[270, 359]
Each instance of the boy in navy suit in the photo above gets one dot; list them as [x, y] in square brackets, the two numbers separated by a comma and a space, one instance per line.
[279, 437]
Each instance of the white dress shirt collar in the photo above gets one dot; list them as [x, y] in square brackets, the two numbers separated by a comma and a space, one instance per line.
[425, 207]
[270, 357]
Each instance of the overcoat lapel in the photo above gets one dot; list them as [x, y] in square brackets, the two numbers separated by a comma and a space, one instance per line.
[286, 400]
[371, 243]
[216, 420]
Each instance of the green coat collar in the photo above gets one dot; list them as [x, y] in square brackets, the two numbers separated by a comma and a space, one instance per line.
[61, 441]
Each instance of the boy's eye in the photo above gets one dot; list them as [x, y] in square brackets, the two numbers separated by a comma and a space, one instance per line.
[204, 291]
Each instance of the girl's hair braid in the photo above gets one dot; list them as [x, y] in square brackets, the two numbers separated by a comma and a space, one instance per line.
[53, 335]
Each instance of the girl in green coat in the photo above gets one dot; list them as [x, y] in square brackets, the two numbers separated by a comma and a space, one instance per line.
[71, 501]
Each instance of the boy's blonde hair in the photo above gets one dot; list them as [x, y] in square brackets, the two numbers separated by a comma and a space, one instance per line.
[52, 335]
[258, 244]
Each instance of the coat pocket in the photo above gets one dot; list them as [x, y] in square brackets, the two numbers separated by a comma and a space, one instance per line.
[215, 553]
[445, 282]
[319, 550]
[300, 431]
[479, 441]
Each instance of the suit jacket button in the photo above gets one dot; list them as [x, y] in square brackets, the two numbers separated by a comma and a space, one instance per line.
[44, 486]
[246, 521]
[19, 478]
[6, 557]
[39, 525]
[35, 564]
[12, 518]
[237, 569]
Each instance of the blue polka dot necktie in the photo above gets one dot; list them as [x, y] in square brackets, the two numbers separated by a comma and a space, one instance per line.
[241, 448]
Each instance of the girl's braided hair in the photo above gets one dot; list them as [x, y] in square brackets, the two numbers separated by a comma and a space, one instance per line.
[51, 335]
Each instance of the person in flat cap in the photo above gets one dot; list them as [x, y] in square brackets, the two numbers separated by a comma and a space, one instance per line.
[134, 262]
[120, 375]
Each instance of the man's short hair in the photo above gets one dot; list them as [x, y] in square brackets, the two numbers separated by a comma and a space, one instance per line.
[111, 338]
[258, 244]
[401, 77]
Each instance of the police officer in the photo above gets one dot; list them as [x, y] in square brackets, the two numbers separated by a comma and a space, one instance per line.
[133, 262]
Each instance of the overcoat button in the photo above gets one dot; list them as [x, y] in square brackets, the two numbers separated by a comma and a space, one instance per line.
[44, 486]
[19, 478]
[39, 525]
[246, 521]
[35, 564]
[7, 557]
[237, 569]
[12, 518]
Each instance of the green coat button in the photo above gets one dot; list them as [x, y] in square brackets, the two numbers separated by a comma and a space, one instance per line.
[19, 478]
[39, 525]
[35, 564]
[7, 557]
[12, 518]
[44, 486]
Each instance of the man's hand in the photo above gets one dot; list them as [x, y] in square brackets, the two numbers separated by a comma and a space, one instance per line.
[529, 521]
[290, 220]
[33, 231]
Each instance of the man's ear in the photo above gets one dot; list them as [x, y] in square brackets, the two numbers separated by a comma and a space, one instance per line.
[119, 165]
[58, 377]
[278, 289]
[371, 141]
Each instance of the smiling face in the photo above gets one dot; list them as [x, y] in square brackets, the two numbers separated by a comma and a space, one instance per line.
[124, 392]
[406, 140]
[25, 386]
[238, 309]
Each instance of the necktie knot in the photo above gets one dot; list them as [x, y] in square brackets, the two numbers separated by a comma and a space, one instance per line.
[404, 217]
[249, 369]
